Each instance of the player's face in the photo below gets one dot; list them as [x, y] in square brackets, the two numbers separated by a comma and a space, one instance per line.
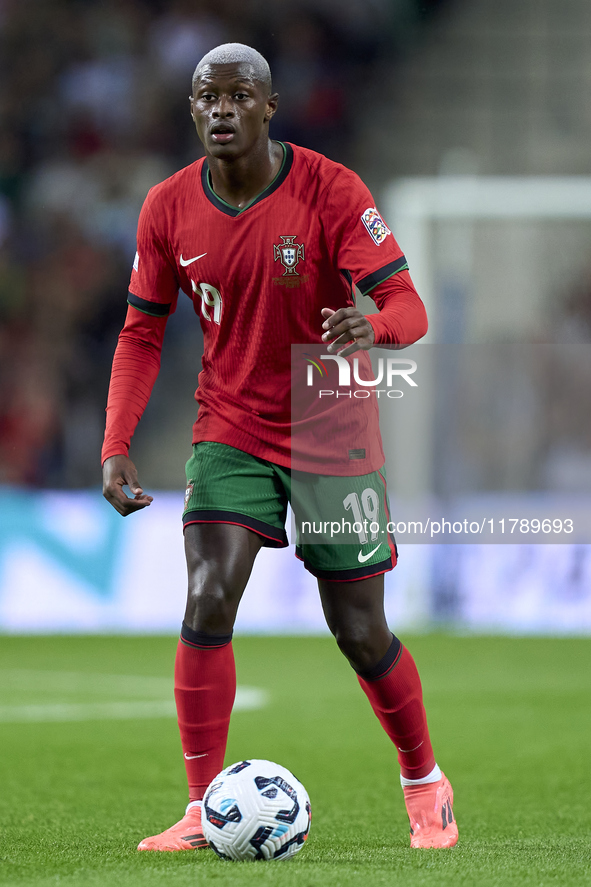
[231, 110]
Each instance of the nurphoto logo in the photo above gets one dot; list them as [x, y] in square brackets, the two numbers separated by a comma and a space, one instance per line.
[390, 370]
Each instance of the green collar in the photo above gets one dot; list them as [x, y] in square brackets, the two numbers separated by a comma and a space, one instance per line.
[230, 210]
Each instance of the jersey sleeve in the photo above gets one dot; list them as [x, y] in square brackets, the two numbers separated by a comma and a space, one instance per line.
[154, 286]
[362, 244]
[401, 319]
[135, 367]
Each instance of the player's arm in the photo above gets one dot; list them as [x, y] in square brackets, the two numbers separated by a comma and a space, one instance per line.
[153, 293]
[401, 320]
[135, 367]
[363, 244]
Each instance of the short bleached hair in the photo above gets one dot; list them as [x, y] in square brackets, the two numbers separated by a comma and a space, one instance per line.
[232, 53]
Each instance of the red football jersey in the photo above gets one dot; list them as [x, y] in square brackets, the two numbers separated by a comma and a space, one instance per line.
[259, 277]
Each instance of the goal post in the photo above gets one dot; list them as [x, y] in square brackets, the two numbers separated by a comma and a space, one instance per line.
[494, 259]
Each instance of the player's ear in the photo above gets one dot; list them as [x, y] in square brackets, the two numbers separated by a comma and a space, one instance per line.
[272, 103]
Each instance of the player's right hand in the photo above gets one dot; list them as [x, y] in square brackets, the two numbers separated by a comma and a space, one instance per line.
[118, 472]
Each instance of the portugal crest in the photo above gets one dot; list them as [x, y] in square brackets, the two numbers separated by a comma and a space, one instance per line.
[289, 253]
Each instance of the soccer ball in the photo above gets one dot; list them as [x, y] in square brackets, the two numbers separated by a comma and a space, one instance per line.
[256, 810]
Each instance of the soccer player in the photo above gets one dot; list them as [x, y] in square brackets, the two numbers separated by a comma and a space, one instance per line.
[267, 239]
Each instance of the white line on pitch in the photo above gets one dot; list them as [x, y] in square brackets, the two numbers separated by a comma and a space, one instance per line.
[247, 699]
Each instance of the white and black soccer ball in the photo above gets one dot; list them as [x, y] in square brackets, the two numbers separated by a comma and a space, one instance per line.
[256, 810]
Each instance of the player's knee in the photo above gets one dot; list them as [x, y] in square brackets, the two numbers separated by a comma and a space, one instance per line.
[358, 643]
[212, 602]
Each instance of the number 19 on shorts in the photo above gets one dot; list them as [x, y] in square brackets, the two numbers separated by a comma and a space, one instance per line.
[365, 510]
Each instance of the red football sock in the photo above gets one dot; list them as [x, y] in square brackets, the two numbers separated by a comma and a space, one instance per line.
[394, 690]
[204, 689]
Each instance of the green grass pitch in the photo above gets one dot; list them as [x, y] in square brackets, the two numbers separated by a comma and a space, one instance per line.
[510, 721]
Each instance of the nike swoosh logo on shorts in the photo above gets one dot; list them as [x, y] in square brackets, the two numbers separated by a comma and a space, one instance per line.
[185, 262]
[192, 757]
[362, 558]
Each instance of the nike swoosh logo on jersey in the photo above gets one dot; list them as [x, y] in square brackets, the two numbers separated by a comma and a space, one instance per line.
[192, 757]
[185, 262]
[362, 558]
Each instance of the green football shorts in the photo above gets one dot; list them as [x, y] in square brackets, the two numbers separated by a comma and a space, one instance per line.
[342, 523]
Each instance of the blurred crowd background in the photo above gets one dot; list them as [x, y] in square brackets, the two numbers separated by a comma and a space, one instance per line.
[94, 111]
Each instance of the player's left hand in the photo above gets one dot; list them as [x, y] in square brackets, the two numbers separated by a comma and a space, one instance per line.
[347, 330]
